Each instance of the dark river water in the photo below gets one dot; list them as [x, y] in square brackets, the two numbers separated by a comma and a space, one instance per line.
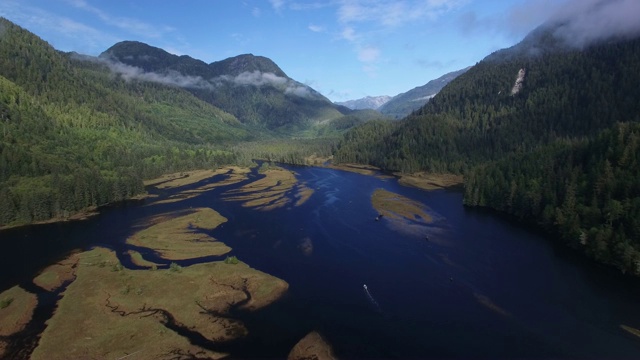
[479, 287]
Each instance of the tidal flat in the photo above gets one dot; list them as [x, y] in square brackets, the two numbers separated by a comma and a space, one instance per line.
[178, 235]
[272, 191]
[430, 181]
[110, 312]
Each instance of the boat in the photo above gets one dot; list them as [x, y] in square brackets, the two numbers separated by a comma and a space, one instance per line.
[364, 286]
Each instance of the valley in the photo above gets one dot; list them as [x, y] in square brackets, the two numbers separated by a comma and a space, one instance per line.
[155, 205]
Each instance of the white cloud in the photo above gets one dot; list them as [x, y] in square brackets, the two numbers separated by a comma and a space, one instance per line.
[316, 28]
[277, 4]
[393, 13]
[586, 21]
[68, 30]
[348, 33]
[133, 26]
[129, 73]
[581, 21]
[256, 12]
[368, 54]
[515, 22]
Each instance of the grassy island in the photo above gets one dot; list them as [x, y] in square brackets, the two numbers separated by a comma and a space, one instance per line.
[176, 236]
[112, 312]
[16, 310]
[312, 346]
[275, 190]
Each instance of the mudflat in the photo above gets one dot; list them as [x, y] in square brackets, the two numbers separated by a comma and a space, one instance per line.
[275, 190]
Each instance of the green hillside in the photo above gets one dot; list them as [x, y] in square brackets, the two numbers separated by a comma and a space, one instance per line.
[253, 88]
[74, 136]
[540, 153]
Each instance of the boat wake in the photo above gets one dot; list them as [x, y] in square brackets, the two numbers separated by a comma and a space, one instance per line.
[373, 301]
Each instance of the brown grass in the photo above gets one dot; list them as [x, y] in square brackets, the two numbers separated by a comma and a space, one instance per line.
[361, 169]
[54, 276]
[231, 175]
[396, 206]
[111, 314]
[428, 181]
[312, 346]
[171, 181]
[272, 191]
[139, 260]
[176, 238]
[175, 180]
[18, 313]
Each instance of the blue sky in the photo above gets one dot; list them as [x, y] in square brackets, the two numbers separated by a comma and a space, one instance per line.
[346, 49]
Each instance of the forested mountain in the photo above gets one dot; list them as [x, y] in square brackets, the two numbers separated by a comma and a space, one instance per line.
[403, 104]
[368, 102]
[543, 131]
[78, 131]
[253, 88]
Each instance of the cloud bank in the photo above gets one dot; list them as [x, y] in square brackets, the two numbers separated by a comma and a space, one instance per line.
[583, 22]
[257, 78]
[174, 78]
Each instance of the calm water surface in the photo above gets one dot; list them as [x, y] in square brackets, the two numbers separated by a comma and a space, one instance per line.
[479, 287]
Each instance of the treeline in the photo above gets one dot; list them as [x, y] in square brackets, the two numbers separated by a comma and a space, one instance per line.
[587, 191]
[562, 152]
[74, 136]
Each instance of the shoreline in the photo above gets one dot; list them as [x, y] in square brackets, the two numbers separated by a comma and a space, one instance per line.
[420, 180]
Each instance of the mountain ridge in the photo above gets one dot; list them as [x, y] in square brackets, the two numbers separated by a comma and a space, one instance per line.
[556, 153]
[367, 102]
[403, 104]
[252, 88]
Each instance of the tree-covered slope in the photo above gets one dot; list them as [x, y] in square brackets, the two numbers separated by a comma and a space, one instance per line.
[253, 88]
[542, 131]
[73, 135]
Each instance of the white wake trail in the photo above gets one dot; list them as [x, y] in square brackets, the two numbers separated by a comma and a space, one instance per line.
[372, 300]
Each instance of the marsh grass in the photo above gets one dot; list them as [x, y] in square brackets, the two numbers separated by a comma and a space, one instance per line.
[398, 207]
[182, 237]
[16, 309]
[277, 189]
[105, 314]
[429, 181]
[5, 302]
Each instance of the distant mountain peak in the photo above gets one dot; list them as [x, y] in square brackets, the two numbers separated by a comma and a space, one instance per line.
[367, 102]
[403, 104]
[246, 63]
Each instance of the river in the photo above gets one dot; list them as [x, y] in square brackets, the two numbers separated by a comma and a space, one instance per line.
[470, 284]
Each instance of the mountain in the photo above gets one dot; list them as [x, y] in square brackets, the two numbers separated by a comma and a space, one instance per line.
[369, 102]
[252, 88]
[545, 131]
[73, 136]
[403, 104]
[77, 131]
